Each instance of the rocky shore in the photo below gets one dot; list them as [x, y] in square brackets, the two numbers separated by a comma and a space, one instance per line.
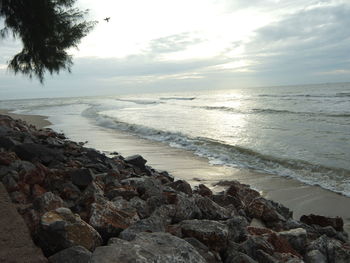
[82, 206]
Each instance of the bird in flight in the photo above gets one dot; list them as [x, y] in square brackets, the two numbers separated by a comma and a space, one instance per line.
[107, 19]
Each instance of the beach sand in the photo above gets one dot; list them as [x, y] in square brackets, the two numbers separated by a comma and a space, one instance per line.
[299, 197]
[37, 120]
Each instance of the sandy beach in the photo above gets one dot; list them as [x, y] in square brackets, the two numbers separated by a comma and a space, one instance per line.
[299, 197]
[37, 120]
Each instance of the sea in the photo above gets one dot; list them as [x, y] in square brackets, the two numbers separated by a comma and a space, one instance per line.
[301, 132]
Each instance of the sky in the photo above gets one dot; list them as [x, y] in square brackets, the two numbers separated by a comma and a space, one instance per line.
[190, 45]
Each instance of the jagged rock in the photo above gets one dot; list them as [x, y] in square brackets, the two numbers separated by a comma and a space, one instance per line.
[315, 256]
[182, 186]
[225, 200]
[141, 206]
[233, 255]
[280, 244]
[60, 229]
[241, 258]
[262, 209]
[337, 222]
[255, 243]
[70, 191]
[37, 152]
[241, 191]
[125, 191]
[202, 190]
[237, 227]
[148, 247]
[211, 210]
[146, 186]
[82, 177]
[47, 202]
[333, 250]
[136, 160]
[150, 224]
[108, 220]
[203, 250]
[6, 158]
[211, 233]
[76, 254]
[186, 208]
[296, 237]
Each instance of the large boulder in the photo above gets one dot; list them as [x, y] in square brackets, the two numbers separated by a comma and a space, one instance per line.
[211, 210]
[336, 222]
[108, 220]
[185, 209]
[182, 186]
[38, 152]
[47, 202]
[148, 247]
[136, 160]
[82, 177]
[211, 233]
[60, 229]
[296, 237]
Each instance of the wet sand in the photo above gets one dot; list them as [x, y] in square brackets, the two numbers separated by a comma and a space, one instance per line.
[299, 197]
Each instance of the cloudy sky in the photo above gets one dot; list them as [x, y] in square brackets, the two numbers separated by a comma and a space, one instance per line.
[163, 45]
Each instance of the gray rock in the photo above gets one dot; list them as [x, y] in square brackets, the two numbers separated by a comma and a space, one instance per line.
[150, 224]
[211, 233]
[82, 177]
[315, 256]
[255, 243]
[60, 229]
[211, 210]
[148, 247]
[146, 186]
[241, 258]
[296, 237]
[76, 254]
[136, 160]
[185, 209]
[237, 227]
[141, 206]
[203, 250]
[182, 186]
[47, 202]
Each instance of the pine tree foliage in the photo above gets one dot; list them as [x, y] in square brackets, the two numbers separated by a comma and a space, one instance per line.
[47, 28]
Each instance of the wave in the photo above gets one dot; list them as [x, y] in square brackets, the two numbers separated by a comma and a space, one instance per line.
[274, 111]
[136, 101]
[219, 153]
[336, 95]
[178, 98]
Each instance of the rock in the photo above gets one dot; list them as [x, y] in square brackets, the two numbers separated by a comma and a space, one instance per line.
[140, 206]
[108, 220]
[60, 229]
[203, 250]
[6, 158]
[146, 186]
[202, 190]
[76, 254]
[125, 191]
[82, 177]
[337, 222]
[237, 227]
[70, 191]
[136, 160]
[280, 244]
[182, 186]
[296, 237]
[227, 200]
[211, 233]
[150, 224]
[241, 191]
[241, 258]
[333, 250]
[10, 183]
[255, 243]
[211, 210]
[37, 152]
[185, 209]
[315, 256]
[47, 202]
[262, 209]
[7, 143]
[148, 247]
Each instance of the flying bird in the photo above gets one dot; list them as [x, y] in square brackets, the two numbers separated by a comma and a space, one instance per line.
[107, 19]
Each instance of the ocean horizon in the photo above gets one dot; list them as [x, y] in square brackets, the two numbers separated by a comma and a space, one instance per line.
[300, 132]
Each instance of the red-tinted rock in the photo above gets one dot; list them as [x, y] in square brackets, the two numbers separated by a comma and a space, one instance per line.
[6, 158]
[257, 231]
[125, 191]
[281, 244]
[37, 191]
[37, 175]
[335, 222]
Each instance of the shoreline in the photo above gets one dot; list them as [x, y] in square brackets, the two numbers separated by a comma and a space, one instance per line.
[299, 197]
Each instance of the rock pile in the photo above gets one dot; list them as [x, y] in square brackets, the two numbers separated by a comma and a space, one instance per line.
[82, 206]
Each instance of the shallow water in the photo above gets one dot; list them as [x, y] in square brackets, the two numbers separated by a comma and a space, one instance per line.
[301, 132]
